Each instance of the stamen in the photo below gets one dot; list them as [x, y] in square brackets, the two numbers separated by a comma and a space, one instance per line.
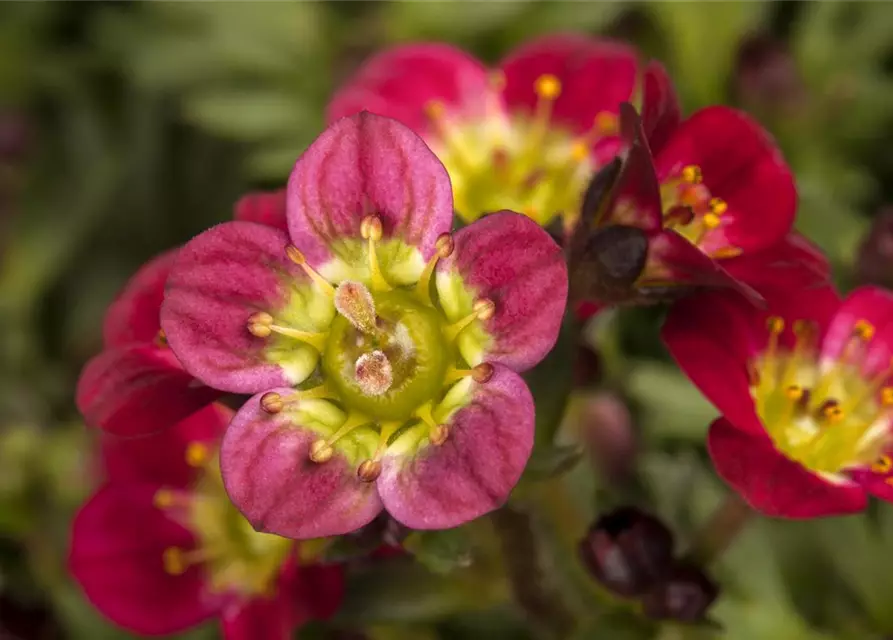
[864, 330]
[887, 396]
[369, 470]
[692, 174]
[711, 220]
[272, 402]
[480, 373]
[354, 302]
[443, 248]
[437, 433]
[322, 451]
[794, 393]
[830, 411]
[161, 339]
[373, 373]
[718, 206]
[883, 465]
[482, 310]
[547, 88]
[294, 254]
[173, 561]
[435, 111]
[371, 231]
[197, 454]
[165, 498]
[727, 252]
[606, 123]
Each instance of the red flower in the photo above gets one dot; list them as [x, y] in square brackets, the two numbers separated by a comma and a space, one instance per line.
[136, 386]
[714, 208]
[160, 548]
[525, 136]
[804, 392]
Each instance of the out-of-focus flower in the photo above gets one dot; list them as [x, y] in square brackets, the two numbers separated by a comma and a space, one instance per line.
[369, 301]
[160, 548]
[766, 75]
[684, 595]
[805, 393]
[525, 136]
[874, 262]
[713, 209]
[628, 551]
[587, 366]
[607, 432]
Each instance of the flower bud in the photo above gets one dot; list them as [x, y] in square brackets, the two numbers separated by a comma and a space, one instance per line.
[684, 595]
[766, 75]
[628, 551]
[608, 433]
[875, 262]
[587, 366]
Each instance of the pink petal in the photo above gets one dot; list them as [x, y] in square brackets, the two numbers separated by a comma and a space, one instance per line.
[263, 207]
[867, 304]
[138, 390]
[133, 316]
[660, 106]
[475, 469]
[740, 164]
[220, 279]
[361, 165]
[161, 458]
[400, 82]
[771, 483]
[792, 264]
[710, 336]
[271, 479]
[117, 542]
[595, 75]
[877, 484]
[509, 259]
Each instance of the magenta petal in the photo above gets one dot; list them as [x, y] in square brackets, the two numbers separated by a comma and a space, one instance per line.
[475, 469]
[400, 82]
[771, 483]
[595, 76]
[793, 264]
[220, 279]
[266, 618]
[138, 391]
[263, 207]
[117, 542]
[269, 476]
[362, 165]
[133, 316]
[660, 106]
[868, 304]
[161, 458]
[509, 259]
[877, 484]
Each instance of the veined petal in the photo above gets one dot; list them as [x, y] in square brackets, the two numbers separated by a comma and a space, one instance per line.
[792, 264]
[773, 484]
[488, 444]
[267, 471]
[133, 316]
[660, 106]
[161, 458]
[224, 276]
[741, 165]
[367, 164]
[138, 390]
[118, 541]
[509, 259]
[263, 207]
[595, 76]
[867, 304]
[400, 82]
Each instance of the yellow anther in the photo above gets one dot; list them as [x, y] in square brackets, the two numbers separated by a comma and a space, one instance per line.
[606, 123]
[718, 206]
[435, 109]
[794, 392]
[321, 451]
[164, 498]
[295, 255]
[369, 470]
[579, 151]
[482, 373]
[197, 454]
[271, 402]
[444, 245]
[727, 252]
[161, 339]
[887, 396]
[864, 330]
[711, 220]
[260, 330]
[173, 561]
[832, 411]
[484, 309]
[370, 228]
[775, 325]
[443, 248]
[883, 464]
[547, 86]
[692, 174]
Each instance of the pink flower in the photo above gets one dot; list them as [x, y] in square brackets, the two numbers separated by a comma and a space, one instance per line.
[382, 351]
[160, 548]
[714, 208]
[804, 389]
[525, 136]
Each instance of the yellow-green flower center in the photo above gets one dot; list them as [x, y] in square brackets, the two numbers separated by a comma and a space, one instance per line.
[826, 415]
[520, 161]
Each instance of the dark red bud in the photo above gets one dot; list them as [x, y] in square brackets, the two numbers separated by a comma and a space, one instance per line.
[766, 75]
[609, 436]
[684, 595]
[628, 551]
[875, 262]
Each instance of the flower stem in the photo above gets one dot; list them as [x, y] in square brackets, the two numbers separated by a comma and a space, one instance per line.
[718, 533]
[531, 587]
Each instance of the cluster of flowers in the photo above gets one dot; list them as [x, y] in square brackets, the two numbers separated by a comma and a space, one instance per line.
[374, 352]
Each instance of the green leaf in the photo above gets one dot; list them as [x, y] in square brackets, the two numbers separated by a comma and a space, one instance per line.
[550, 462]
[441, 552]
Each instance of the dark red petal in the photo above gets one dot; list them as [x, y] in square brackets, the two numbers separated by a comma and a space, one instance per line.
[117, 543]
[161, 458]
[660, 106]
[595, 75]
[868, 304]
[259, 618]
[740, 164]
[134, 315]
[712, 339]
[877, 484]
[771, 483]
[263, 207]
[400, 82]
[138, 390]
[792, 264]
[319, 590]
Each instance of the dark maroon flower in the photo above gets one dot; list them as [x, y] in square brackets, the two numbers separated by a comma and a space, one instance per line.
[684, 595]
[874, 260]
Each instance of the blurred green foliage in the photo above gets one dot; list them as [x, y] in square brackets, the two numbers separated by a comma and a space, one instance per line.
[145, 121]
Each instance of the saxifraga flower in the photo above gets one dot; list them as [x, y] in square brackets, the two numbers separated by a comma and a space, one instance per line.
[381, 349]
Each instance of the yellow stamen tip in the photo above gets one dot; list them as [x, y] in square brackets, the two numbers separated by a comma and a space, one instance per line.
[370, 228]
[883, 464]
[174, 563]
[321, 451]
[271, 402]
[692, 173]
[434, 109]
[484, 309]
[260, 330]
[444, 245]
[727, 252]
[887, 396]
[163, 498]
[369, 470]
[579, 151]
[794, 392]
[547, 86]
[863, 329]
[711, 220]
[718, 206]
[775, 324]
[197, 454]
[606, 123]
[294, 254]
[482, 373]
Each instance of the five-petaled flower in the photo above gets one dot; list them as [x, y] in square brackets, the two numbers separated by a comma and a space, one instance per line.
[805, 392]
[381, 350]
[525, 136]
[713, 208]
[160, 548]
